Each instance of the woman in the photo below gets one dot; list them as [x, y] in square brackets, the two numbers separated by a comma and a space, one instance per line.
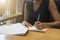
[38, 15]
[58, 4]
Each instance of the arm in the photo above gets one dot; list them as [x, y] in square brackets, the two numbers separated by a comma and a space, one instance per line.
[25, 14]
[24, 10]
[54, 13]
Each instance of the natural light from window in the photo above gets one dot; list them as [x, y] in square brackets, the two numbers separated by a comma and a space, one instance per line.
[3, 2]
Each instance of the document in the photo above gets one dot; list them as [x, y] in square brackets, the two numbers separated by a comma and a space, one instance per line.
[12, 29]
[17, 29]
[2, 37]
[33, 28]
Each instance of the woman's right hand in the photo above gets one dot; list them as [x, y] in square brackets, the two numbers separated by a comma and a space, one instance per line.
[39, 25]
[26, 24]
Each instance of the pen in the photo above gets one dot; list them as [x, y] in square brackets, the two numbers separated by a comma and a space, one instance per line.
[38, 17]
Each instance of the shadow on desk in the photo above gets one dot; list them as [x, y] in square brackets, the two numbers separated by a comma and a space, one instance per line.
[56, 27]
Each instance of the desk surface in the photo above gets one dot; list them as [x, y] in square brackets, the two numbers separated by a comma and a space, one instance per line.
[50, 34]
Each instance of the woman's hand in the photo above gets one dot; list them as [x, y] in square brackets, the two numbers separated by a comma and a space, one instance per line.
[39, 25]
[26, 24]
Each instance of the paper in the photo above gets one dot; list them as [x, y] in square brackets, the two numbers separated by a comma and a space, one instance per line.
[33, 28]
[2, 37]
[17, 28]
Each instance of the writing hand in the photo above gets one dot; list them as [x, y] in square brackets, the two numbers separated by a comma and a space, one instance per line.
[39, 25]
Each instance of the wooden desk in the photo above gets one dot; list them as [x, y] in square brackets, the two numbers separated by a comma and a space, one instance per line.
[51, 34]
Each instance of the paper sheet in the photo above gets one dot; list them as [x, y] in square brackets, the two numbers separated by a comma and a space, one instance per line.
[17, 28]
[33, 28]
[2, 37]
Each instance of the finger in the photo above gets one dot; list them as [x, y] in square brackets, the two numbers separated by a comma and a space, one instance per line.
[29, 24]
[26, 25]
[37, 23]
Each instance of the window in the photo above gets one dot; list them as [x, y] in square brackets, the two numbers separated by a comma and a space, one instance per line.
[8, 7]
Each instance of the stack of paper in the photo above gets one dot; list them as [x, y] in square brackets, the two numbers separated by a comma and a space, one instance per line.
[17, 28]
[2, 37]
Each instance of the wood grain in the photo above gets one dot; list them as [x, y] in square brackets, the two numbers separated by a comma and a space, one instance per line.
[50, 34]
